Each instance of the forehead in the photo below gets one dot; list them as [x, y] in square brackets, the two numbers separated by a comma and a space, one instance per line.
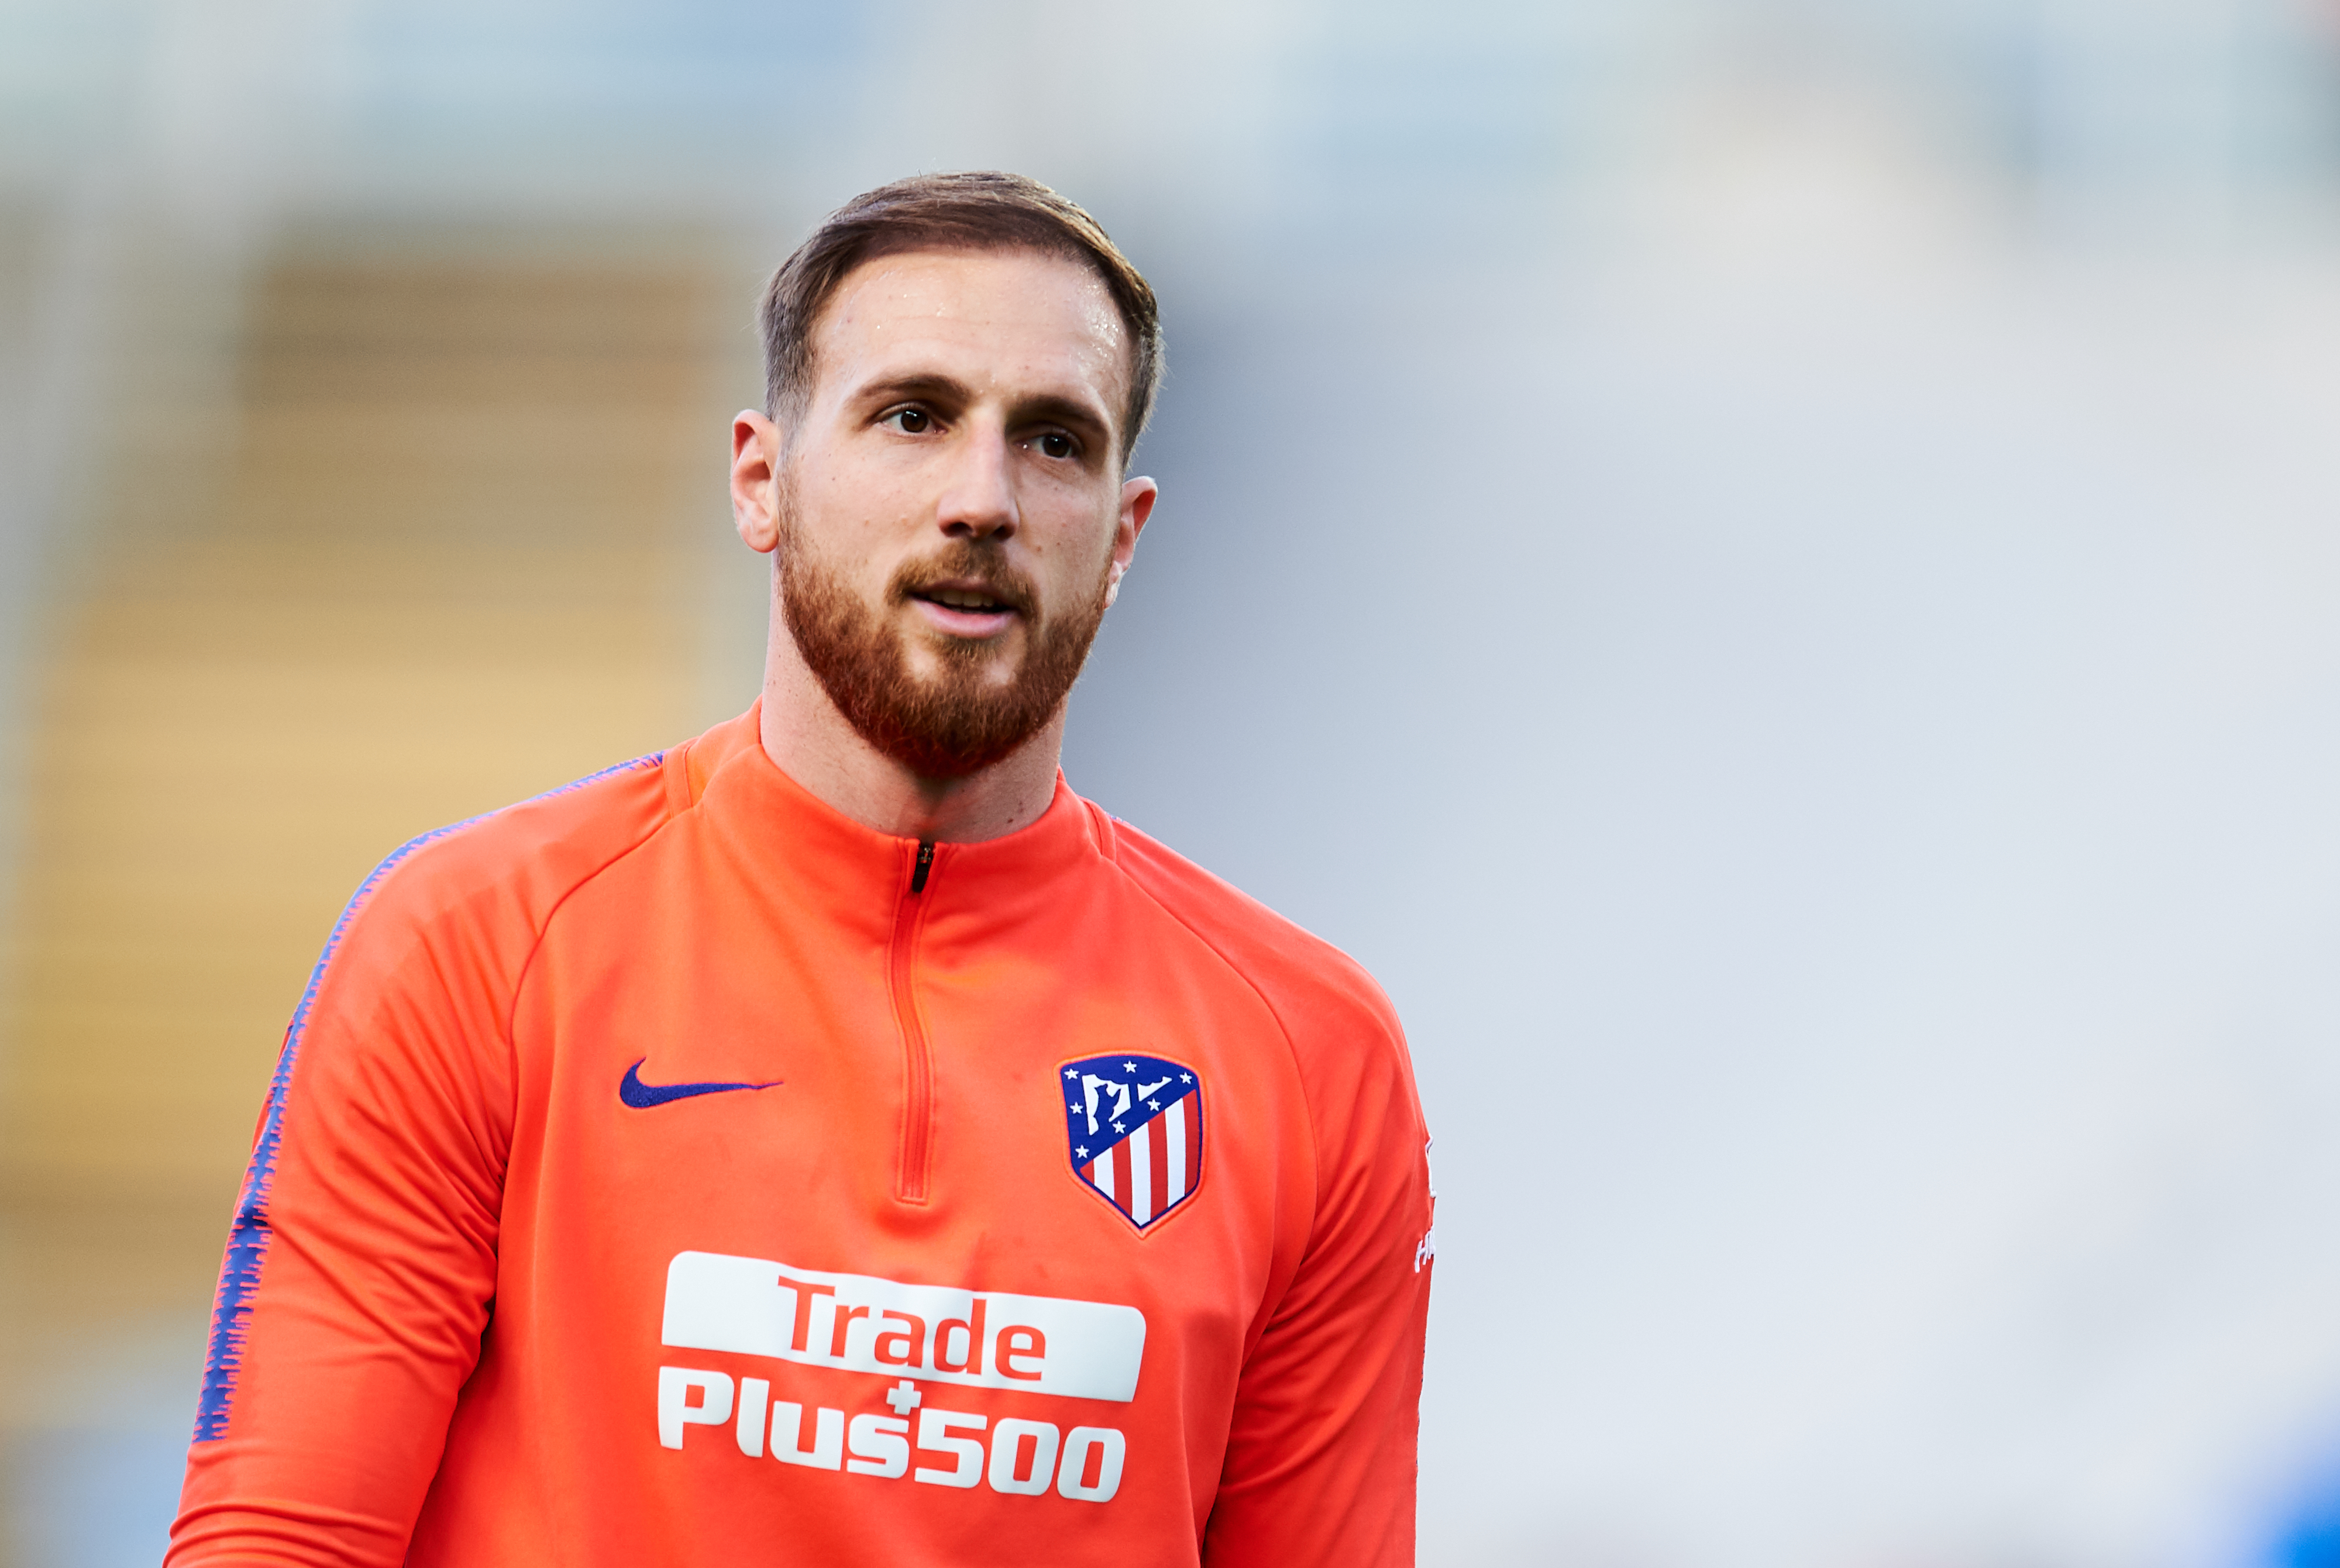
[1016, 322]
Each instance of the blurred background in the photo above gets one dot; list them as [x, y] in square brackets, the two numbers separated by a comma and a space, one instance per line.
[1772, 567]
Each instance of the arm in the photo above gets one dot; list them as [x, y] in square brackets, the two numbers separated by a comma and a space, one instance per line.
[1320, 1466]
[362, 1260]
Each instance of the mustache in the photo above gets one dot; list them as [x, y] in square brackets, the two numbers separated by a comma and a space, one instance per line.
[965, 564]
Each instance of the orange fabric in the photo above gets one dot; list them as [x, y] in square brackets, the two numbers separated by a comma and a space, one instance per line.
[481, 1309]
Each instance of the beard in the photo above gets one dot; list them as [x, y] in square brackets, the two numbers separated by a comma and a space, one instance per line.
[960, 719]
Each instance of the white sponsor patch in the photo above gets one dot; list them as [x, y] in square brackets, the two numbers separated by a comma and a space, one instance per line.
[935, 1333]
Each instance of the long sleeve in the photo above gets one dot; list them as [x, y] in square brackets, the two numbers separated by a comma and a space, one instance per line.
[1320, 1456]
[361, 1264]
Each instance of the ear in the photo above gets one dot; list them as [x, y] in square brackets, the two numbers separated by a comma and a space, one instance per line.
[1137, 498]
[755, 470]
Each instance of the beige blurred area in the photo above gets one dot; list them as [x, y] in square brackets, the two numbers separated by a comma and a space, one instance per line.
[433, 532]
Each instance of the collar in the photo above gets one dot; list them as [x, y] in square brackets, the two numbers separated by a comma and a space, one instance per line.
[785, 831]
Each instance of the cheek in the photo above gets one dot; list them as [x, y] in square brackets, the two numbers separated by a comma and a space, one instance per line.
[843, 505]
[1073, 557]
[859, 532]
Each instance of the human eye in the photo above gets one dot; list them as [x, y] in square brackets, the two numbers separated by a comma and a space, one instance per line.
[910, 420]
[1056, 444]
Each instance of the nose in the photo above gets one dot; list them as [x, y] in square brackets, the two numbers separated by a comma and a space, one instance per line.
[978, 499]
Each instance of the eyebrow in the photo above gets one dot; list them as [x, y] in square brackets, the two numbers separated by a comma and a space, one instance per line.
[940, 387]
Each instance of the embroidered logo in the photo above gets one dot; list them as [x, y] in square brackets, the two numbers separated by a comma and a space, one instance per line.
[641, 1096]
[1133, 1132]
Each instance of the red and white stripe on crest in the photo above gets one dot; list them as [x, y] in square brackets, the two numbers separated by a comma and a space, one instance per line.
[1154, 1167]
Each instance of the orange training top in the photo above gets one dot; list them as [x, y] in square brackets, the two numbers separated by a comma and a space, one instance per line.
[671, 1171]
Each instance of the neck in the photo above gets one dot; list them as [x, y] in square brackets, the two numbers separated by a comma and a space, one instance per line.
[810, 741]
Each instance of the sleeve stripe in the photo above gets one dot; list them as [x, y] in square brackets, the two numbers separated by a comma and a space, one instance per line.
[248, 1237]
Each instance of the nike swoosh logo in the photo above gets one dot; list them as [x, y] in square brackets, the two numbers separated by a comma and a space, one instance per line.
[642, 1096]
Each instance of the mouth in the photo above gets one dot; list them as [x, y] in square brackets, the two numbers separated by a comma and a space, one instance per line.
[967, 607]
[976, 599]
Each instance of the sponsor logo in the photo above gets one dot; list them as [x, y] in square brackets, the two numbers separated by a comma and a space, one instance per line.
[1134, 1132]
[1011, 1455]
[642, 1096]
[909, 1334]
[929, 1333]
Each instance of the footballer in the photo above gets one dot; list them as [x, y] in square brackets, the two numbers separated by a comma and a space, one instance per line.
[831, 1140]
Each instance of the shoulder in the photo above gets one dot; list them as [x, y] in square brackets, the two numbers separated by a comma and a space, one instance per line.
[492, 881]
[1324, 999]
[1348, 1051]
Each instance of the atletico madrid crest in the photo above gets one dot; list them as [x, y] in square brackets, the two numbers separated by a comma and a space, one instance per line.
[1134, 1129]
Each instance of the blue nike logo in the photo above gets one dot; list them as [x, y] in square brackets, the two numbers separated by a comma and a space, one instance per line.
[642, 1096]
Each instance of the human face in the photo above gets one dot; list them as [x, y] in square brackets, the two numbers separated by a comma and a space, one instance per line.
[947, 501]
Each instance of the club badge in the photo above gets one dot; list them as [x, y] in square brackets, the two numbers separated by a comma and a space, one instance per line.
[1133, 1132]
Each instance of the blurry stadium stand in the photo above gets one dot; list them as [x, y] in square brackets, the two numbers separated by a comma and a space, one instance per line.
[452, 555]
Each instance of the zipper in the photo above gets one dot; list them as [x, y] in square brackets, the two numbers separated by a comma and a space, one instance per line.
[917, 1061]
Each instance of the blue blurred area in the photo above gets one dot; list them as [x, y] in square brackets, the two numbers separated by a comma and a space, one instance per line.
[83, 1499]
[2313, 1543]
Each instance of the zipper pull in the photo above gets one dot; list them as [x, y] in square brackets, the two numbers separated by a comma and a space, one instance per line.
[925, 863]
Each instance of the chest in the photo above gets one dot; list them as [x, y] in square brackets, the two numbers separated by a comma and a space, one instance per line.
[1000, 1155]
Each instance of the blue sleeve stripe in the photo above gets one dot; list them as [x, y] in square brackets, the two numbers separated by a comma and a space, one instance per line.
[248, 1237]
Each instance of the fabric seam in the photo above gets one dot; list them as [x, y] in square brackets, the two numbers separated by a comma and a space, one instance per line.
[250, 1233]
[1292, 1048]
[544, 927]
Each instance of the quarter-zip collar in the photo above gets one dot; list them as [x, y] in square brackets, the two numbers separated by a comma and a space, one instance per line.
[844, 868]
[911, 904]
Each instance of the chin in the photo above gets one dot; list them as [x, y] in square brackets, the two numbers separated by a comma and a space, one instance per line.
[991, 661]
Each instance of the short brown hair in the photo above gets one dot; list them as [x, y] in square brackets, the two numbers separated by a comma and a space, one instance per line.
[981, 209]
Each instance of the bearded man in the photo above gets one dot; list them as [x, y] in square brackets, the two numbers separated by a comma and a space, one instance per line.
[832, 1139]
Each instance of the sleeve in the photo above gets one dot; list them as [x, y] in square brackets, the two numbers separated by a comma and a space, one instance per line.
[1321, 1455]
[361, 1263]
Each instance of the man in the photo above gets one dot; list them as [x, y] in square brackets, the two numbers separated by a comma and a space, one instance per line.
[833, 1140]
